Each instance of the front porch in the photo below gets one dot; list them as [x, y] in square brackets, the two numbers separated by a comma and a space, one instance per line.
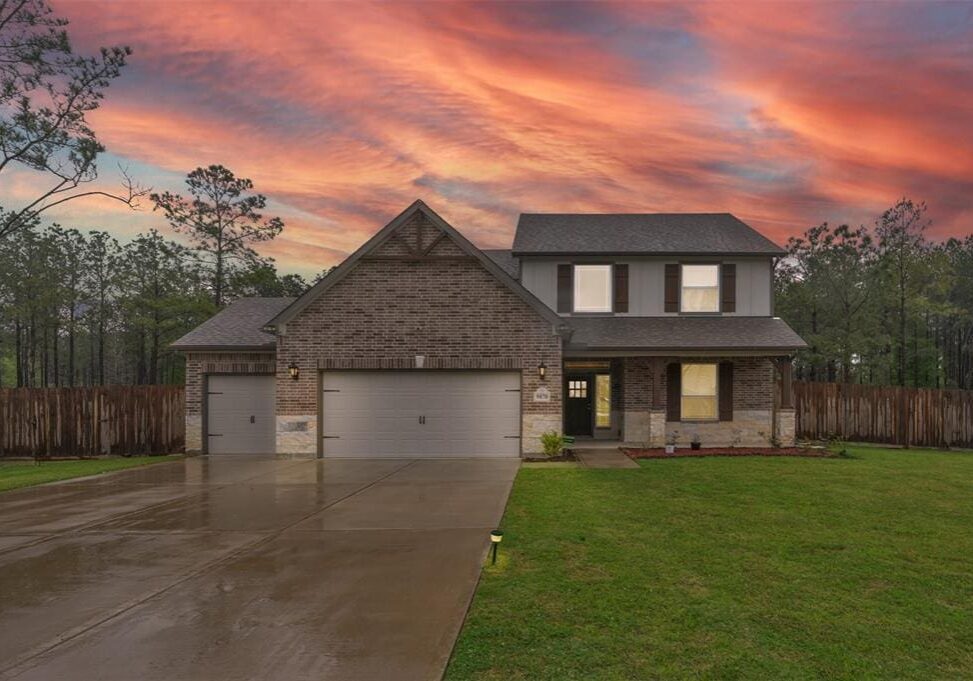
[649, 401]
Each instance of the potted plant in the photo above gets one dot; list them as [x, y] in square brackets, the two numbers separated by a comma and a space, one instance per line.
[695, 444]
[671, 443]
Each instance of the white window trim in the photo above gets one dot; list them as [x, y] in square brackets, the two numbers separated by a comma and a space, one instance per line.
[719, 288]
[716, 395]
[574, 287]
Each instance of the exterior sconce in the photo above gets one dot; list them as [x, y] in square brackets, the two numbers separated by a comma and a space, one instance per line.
[294, 371]
[495, 537]
[542, 371]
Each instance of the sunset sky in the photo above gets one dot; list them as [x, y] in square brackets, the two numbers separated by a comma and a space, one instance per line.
[786, 115]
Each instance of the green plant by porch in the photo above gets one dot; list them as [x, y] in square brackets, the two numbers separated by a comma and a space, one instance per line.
[552, 442]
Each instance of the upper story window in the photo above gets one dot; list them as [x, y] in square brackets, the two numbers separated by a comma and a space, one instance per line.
[592, 288]
[700, 288]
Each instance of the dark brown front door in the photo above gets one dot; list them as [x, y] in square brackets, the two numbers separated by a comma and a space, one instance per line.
[579, 394]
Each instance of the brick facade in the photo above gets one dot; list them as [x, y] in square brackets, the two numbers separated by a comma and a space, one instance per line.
[448, 309]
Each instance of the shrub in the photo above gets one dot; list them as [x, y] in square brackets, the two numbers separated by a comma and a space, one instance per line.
[552, 442]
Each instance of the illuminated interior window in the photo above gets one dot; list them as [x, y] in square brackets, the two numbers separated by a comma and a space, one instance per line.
[700, 288]
[578, 389]
[592, 288]
[698, 391]
[603, 401]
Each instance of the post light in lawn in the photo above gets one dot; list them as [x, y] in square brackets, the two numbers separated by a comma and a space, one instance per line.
[496, 537]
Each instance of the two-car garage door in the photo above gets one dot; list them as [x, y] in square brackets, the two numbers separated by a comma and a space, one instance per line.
[420, 413]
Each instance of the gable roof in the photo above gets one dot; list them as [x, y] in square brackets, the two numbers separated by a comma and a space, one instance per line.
[236, 327]
[342, 270]
[770, 334]
[639, 234]
[505, 259]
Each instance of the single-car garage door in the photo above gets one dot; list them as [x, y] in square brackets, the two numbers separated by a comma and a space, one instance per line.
[240, 415]
[421, 413]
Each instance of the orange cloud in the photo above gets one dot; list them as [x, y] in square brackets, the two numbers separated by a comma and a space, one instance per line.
[343, 113]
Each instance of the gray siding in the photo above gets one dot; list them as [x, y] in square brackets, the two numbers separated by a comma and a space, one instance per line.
[647, 281]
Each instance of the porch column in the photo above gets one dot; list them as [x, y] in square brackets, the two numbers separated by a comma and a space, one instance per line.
[786, 425]
[657, 407]
[785, 366]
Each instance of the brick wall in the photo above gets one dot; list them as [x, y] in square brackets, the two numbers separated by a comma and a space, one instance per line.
[451, 311]
[200, 363]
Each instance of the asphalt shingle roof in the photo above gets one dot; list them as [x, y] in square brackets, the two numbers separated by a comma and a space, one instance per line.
[505, 259]
[238, 326]
[645, 234]
[682, 333]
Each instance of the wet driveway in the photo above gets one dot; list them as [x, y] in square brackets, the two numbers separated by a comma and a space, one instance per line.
[222, 568]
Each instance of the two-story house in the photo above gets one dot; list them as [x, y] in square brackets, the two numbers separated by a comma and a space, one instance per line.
[641, 329]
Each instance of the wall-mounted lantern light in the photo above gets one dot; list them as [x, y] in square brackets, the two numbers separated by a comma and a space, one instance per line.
[294, 371]
[542, 371]
[496, 537]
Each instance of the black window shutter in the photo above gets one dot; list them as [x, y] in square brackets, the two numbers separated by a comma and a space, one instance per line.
[621, 288]
[672, 287]
[673, 392]
[728, 287]
[726, 391]
[565, 288]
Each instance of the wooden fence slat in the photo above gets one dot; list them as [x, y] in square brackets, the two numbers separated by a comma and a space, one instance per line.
[89, 421]
[923, 417]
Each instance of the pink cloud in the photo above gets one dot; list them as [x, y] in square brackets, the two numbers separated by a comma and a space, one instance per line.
[343, 113]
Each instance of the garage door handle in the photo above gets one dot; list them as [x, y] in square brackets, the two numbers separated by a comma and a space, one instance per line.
[252, 420]
[216, 435]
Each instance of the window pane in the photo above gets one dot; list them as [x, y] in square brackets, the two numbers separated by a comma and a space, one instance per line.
[592, 288]
[699, 399]
[603, 396]
[700, 300]
[700, 288]
[698, 408]
[700, 275]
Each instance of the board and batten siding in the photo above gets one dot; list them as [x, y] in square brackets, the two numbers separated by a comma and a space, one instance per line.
[646, 282]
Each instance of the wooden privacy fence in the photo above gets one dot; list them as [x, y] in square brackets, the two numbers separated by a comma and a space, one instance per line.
[868, 413]
[140, 419]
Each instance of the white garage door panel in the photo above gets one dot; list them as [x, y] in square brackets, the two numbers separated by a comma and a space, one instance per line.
[421, 413]
[240, 415]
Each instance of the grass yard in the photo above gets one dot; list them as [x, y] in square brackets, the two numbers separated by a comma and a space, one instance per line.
[732, 568]
[24, 474]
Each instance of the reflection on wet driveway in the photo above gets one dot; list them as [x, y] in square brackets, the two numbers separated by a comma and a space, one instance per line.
[245, 567]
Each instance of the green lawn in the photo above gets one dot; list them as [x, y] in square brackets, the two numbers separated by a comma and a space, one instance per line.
[732, 568]
[24, 474]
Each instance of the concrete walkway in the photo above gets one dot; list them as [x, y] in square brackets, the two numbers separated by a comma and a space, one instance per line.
[604, 458]
[224, 568]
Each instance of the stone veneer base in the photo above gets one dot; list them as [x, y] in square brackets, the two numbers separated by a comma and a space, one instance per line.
[297, 436]
[194, 433]
[750, 428]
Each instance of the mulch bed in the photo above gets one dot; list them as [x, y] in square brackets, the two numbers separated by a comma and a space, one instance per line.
[660, 453]
[567, 455]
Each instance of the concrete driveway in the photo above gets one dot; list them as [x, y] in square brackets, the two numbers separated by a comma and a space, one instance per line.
[223, 568]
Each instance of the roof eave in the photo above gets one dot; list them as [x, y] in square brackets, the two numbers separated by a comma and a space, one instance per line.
[769, 350]
[666, 254]
[224, 348]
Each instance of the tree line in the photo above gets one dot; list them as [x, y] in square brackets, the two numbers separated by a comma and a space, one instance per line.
[882, 304]
[82, 308]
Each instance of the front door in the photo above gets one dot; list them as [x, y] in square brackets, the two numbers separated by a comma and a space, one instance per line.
[579, 394]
